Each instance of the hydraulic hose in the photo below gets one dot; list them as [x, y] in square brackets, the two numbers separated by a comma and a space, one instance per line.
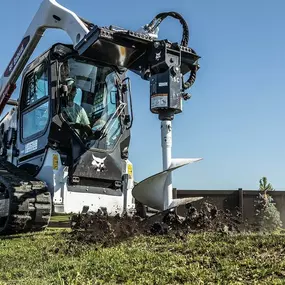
[157, 20]
[161, 16]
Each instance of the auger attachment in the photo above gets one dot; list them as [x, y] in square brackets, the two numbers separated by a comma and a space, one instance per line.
[167, 64]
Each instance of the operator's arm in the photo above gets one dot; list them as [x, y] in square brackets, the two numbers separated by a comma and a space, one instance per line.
[83, 121]
[83, 117]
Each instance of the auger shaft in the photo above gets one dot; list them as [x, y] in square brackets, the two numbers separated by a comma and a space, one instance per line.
[166, 144]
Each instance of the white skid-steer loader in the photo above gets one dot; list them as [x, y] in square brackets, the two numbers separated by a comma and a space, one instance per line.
[64, 143]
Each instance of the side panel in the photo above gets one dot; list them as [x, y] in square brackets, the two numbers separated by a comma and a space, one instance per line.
[8, 132]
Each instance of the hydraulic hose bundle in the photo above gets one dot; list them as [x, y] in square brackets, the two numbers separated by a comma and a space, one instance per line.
[153, 25]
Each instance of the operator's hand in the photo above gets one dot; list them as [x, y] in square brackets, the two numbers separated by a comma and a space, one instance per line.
[96, 134]
[86, 128]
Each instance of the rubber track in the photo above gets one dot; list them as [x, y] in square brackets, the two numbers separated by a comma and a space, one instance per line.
[30, 200]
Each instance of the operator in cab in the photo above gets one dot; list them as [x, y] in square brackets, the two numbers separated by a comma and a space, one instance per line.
[75, 113]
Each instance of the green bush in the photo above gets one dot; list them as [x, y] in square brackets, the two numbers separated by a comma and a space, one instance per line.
[267, 216]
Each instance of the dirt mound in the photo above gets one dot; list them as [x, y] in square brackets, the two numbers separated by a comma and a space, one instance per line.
[101, 228]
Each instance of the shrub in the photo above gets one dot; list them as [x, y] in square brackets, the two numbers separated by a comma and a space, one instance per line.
[267, 216]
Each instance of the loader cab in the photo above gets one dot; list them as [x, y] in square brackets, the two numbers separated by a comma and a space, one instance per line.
[79, 108]
[91, 102]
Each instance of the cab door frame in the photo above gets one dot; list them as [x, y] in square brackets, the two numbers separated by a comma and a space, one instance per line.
[32, 149]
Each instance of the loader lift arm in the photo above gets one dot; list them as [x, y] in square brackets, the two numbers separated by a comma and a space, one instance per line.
[50, 15]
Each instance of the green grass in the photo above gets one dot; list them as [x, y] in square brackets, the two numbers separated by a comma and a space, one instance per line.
[50, 258]
[60, 218]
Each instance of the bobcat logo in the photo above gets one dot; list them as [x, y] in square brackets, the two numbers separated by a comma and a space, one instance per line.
[157, 56]
[98, 163]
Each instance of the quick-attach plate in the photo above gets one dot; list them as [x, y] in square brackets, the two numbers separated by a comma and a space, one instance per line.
[127, 49]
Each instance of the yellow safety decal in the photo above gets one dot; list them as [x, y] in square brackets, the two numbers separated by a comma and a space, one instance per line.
[55, 161]
[130, 170]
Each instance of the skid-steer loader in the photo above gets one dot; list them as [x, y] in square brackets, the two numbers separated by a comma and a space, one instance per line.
[64, 144]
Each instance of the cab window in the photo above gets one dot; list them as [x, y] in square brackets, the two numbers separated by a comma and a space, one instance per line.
[35, 102]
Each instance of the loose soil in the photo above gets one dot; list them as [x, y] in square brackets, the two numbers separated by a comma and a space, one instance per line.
[101, 228]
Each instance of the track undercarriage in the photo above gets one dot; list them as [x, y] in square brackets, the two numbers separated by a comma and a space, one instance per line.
[25, 201]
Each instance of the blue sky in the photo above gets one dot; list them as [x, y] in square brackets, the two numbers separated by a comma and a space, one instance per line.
[235, 118]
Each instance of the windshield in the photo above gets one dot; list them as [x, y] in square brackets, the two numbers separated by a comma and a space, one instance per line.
[92, 101]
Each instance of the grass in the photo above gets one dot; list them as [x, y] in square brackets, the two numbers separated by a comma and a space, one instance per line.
[50, 258]
[60, 218]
